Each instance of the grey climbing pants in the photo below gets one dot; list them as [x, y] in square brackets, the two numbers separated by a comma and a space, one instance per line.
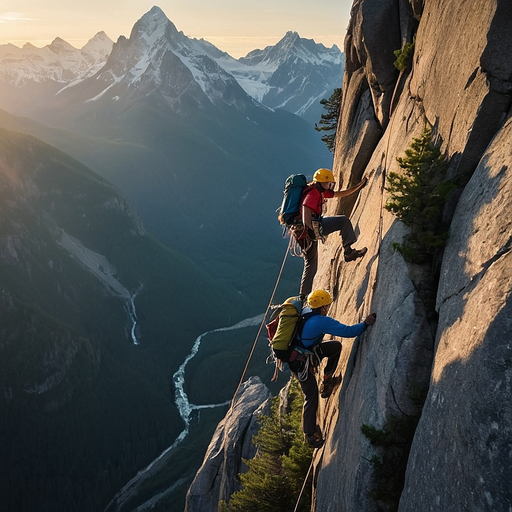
[332, 350]
[310, 253]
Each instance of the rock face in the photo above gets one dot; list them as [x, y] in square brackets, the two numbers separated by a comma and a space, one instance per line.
[216, 479]
[465, 431]
[460, 84]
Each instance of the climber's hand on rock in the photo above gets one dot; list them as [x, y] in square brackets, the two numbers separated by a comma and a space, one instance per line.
[370, 319]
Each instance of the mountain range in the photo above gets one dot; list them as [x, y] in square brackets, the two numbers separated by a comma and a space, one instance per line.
[139, 182]
[295, 74]
[59, 61]
[191, 151]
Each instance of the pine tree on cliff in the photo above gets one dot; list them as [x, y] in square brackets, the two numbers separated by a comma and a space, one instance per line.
[417, 196]
[329, 120]
[277, 473]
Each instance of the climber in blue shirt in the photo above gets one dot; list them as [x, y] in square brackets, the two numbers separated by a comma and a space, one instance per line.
[316, 326]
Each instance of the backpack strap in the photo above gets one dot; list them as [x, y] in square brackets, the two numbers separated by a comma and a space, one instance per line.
[304, 318]
[308, 189]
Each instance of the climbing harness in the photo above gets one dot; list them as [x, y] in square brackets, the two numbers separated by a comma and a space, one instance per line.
[296, 232]
[309, 359]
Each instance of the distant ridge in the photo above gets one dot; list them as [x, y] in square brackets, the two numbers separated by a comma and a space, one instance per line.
[295, 74]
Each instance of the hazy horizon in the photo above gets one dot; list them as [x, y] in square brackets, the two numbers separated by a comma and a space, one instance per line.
[234, 28]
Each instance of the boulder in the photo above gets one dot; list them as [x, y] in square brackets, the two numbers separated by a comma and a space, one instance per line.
[217, 478]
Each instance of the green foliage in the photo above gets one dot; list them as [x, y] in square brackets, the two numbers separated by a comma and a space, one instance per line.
[393, 444]
[417, 197]
[376, 436]
[403, 56]
[329, 121]
[277, 473]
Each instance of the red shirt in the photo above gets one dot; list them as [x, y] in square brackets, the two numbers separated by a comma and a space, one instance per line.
[314, 199]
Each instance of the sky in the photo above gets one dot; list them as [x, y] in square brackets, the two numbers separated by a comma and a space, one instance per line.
[234, 26]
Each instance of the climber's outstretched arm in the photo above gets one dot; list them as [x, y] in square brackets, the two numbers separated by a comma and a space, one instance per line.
[350, 191]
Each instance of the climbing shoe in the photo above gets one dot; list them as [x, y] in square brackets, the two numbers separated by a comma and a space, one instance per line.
[328, 386]
[353, 254]
[314, 440]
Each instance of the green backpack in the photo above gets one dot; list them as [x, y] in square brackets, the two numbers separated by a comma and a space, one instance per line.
[283, 327]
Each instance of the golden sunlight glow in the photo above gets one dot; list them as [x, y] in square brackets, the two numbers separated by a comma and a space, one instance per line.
[232, 26]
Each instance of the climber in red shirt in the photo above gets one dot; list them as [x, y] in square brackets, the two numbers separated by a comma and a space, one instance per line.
[317, 227]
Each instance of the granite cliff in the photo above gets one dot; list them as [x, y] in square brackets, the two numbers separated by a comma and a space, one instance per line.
[438, 378]
[458, 83]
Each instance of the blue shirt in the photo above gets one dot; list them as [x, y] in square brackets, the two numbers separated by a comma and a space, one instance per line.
[317, 326]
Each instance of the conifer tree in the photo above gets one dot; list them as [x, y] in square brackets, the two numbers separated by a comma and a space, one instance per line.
[417, 198]
[277, 472]
[404, 56]
[329, 120]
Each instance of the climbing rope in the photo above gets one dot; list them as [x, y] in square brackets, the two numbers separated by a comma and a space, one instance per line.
[318, 454]
[262, 323]
[292, 249]
[380, 229]
[304, 484]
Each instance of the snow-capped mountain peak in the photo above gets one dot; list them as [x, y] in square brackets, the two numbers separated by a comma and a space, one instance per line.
[59, 61]
[295, 74]
[98, 48]
[58, 45]
[283, 48]
[152, 27]
[159, 57]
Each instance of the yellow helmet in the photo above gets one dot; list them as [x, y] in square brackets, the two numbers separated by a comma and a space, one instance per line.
[323, 176]
[319, 298]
